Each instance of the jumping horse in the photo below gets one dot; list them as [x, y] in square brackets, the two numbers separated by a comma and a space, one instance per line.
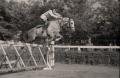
[50, 33]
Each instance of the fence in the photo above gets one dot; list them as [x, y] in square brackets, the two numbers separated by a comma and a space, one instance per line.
[107, 55]
[24, 56]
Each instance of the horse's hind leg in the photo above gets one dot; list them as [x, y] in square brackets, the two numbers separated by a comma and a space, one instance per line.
[30, 37]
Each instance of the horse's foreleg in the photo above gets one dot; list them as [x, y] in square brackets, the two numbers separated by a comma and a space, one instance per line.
[51, 36]
[58, 37]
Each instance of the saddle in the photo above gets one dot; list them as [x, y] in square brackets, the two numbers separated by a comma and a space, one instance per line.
[38, 26]
[43, 25]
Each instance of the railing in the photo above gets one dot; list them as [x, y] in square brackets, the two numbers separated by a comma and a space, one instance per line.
[24, 55]
[97, 47]
[107, 55]
[16, 56]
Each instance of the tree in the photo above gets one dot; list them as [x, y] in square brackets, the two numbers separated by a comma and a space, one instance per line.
[100, 18]
[97, 19]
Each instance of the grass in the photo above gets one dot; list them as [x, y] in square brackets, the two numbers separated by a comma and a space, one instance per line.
[69, 71]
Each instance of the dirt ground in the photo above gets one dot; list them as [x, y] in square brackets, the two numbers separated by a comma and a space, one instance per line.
[69, 71]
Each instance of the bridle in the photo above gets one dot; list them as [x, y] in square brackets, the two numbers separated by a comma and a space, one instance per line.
[69, 24]
[65, 23]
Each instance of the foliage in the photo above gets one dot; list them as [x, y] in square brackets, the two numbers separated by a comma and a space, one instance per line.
[101, 20]
[87, 56]
[96, 19]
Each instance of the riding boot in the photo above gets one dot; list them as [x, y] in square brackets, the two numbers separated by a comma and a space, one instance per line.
[46, 23]
[38, 26]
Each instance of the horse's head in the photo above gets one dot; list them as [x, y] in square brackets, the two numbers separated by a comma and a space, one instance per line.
[68, 23]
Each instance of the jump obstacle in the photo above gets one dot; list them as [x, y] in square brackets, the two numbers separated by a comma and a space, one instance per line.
[23, 56]
[17, 56]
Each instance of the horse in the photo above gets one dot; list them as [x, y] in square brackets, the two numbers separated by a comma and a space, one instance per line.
[50, 33]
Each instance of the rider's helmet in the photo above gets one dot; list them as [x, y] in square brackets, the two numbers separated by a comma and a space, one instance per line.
[59, 9]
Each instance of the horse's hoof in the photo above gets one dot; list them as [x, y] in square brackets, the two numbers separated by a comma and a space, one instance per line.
[47, 68]
[52, 42]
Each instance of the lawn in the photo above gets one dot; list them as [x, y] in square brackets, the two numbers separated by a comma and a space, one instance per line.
[69, 71]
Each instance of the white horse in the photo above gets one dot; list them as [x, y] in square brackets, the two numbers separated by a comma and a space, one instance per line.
[52, 32]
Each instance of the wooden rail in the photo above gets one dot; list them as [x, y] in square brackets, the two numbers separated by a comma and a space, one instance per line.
[96, 47]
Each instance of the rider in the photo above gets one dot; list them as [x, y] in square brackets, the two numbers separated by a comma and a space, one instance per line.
[50, 15]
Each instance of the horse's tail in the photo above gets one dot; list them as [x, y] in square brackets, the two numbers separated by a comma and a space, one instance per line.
[25, 37]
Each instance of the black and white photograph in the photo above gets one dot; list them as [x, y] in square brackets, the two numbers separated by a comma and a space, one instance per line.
[59, 39]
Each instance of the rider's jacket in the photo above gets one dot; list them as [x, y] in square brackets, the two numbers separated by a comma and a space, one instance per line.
[49, 15]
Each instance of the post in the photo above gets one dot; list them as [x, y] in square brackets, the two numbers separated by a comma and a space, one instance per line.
[48, 59]
[52, 56]
[79, 50]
